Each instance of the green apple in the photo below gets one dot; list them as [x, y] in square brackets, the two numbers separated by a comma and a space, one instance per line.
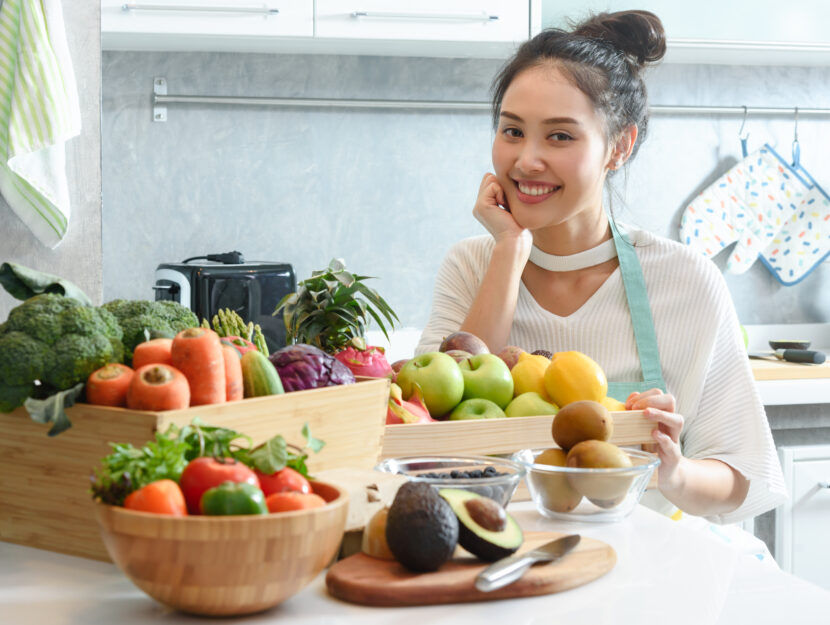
[476, 408]
[486, 376]
[439, 377]
[529, 404]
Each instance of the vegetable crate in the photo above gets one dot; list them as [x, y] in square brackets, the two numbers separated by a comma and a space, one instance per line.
[44, 482]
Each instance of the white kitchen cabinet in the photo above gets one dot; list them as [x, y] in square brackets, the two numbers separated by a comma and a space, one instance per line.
[452, 28]
[712, 31]
[223, 25]
[801, 524]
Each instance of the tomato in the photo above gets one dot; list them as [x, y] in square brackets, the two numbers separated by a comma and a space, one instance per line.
[284, 480]
[204, 473]
[286, 501]
[161, 497]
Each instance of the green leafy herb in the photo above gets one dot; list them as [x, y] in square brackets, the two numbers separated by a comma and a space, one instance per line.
[129, 468]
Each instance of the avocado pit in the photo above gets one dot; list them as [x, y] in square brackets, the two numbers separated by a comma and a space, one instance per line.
[487, 513]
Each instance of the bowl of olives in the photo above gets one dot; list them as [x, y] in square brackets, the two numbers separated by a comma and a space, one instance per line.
[593, 481]
[490, 476]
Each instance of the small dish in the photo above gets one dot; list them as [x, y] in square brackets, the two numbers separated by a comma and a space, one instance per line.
[789, 344]
[439, 470]
[596, 495]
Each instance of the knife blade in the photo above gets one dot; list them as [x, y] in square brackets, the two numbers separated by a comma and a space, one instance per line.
[792, 355]
[509, 569]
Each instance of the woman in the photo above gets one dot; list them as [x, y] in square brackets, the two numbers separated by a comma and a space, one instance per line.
[556, 273]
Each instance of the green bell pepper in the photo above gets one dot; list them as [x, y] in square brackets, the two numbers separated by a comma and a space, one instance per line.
[233, 498]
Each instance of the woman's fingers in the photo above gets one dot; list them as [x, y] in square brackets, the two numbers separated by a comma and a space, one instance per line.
[669, 423]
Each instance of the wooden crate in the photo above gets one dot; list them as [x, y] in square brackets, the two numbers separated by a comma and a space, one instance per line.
[497, 436]
[44, 482]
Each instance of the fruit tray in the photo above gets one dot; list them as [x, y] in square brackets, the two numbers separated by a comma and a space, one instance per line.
[44, 482]
[497, 436]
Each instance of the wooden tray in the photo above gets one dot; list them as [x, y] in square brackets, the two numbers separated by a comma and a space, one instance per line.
[370, 581]
[44, 482]
[497, 436]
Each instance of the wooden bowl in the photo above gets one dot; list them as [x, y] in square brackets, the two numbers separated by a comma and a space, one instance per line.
[227, 565]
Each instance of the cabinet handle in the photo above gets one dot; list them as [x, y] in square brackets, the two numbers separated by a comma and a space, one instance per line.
[481, 16]
[132, 6]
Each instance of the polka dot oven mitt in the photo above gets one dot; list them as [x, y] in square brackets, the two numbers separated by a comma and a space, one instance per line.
[749, 204]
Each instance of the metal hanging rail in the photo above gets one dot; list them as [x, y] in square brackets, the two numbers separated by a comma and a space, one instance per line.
[161, 99]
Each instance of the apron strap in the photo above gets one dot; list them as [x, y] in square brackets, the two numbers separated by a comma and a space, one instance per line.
[635, 292]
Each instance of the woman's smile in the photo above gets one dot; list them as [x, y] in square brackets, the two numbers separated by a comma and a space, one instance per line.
[534, 192]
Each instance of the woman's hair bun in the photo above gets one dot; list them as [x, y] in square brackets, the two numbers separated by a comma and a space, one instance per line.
[638, 34]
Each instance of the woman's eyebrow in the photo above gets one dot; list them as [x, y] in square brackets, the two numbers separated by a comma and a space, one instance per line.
[550, 120]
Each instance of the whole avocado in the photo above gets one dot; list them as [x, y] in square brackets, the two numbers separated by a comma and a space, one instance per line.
[421, 528]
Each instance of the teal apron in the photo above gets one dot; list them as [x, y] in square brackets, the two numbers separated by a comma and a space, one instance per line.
[644, 335]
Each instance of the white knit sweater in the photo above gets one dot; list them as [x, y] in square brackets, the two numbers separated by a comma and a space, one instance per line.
[698, 334]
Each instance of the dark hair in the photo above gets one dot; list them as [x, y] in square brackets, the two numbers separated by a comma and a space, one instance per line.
[603, 56]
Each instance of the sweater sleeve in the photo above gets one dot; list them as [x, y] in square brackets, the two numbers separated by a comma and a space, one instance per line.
[730, 423]
[456, 285]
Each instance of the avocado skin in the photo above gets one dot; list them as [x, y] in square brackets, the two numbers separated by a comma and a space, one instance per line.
[421, 528]
[487, 545]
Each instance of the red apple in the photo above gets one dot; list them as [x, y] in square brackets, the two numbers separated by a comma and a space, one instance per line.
[465, 341]
[459, 354]
[510, 355]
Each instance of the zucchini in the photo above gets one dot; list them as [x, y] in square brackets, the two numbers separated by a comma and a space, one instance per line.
[259, 376]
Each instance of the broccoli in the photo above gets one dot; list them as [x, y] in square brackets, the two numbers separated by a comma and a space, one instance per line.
[50, 343]
[140, 319]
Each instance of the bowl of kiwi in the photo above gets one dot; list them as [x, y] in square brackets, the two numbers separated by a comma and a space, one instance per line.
[583, 475]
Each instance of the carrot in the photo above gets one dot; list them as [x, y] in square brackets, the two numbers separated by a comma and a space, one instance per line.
[158, 387]
[233, 373]
[197, 353]
[108, 385]
[153, 352]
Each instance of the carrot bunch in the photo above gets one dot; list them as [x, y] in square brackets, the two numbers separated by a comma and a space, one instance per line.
[192, 369]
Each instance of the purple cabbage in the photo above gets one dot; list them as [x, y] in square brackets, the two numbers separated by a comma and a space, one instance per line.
[304, 366]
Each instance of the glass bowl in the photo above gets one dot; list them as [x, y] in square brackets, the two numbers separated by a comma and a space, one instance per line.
[598, 495]
[498, 479]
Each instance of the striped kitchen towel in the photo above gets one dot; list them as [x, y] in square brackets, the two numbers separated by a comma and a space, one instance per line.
[39, 111]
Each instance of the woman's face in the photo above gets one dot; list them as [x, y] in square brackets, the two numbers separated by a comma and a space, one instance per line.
[550, 153]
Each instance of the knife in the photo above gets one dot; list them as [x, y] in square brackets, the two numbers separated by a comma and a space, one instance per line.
[509, 569]
[793, 355]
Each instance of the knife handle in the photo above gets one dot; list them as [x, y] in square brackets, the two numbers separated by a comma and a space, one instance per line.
[503, 572]
[803, 355]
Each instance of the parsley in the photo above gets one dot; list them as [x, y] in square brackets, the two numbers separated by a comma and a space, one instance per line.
[129, 468]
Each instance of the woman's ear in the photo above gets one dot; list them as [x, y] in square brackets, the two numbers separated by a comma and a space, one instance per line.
[623, 147]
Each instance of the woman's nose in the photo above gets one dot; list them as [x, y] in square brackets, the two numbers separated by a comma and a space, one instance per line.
[530, 158]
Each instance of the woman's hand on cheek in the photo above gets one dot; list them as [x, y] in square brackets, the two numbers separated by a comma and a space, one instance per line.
[659, 408]
[488, 210]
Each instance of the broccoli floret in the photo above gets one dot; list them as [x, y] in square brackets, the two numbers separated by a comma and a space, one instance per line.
[56, 340]
[140, 319]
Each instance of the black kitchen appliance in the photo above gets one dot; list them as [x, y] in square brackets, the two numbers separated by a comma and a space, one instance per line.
[252, 289]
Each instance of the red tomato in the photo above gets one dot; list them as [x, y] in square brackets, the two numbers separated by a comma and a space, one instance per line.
[287, 501]
[161, 497]
[204, 473]
[282, 481]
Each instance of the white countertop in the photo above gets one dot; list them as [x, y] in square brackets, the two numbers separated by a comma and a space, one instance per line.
[666, 573]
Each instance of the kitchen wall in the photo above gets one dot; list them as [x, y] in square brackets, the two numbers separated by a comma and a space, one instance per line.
[79, 256]
[390, 191]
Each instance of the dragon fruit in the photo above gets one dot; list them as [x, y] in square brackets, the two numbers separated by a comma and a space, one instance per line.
[412, 410]
[365, 360]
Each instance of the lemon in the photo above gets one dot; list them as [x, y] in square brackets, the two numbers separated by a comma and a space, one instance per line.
[529, 375]
[613, 405]
[573, 376]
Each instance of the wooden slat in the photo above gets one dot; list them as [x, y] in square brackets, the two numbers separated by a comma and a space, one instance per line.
[497, 436]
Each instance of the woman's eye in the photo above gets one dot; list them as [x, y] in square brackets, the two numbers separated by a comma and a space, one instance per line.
[561, 136]
[512, 132]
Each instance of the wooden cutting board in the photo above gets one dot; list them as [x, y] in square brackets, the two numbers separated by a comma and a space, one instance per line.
[768, 369]
[370, 581]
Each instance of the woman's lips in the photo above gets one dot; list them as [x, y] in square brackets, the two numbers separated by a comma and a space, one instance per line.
[533, 193]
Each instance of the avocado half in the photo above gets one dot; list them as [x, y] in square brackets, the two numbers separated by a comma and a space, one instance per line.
[487, 544]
